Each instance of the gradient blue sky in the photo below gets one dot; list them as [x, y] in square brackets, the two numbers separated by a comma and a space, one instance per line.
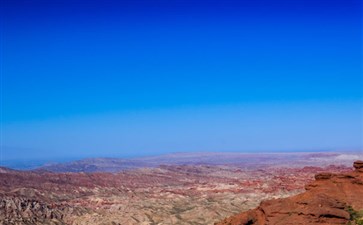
[125, 78]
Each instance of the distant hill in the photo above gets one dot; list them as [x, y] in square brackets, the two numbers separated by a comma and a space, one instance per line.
[241, 160]
[95, 165]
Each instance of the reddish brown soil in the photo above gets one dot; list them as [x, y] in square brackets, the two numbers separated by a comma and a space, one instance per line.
[330, 199]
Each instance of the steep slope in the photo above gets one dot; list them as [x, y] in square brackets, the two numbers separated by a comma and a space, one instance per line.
[330, 199]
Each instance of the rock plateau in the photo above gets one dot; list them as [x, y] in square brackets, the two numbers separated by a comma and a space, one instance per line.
[330, 199]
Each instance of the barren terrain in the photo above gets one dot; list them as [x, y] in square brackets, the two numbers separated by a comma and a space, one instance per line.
[330, 199]
[176, 189]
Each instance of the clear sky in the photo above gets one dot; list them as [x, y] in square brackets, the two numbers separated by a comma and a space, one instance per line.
[83, 78]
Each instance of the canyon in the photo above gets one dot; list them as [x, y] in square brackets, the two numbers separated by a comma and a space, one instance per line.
[198, 188]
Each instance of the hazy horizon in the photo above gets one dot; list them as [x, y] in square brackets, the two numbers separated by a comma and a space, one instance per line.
[131, 78]
[188, 158]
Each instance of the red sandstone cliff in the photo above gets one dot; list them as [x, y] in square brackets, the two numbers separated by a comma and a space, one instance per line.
[330, 199]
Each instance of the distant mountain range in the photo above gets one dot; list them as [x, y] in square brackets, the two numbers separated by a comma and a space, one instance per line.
[241, 160]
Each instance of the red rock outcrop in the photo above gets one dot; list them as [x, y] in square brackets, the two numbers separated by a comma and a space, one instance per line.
[330, 199]
[358, 165]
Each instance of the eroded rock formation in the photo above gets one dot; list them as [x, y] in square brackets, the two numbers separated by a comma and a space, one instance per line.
[330, 199]
[169, 194]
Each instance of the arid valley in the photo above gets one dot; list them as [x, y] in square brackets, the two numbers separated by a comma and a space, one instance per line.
[182, 188]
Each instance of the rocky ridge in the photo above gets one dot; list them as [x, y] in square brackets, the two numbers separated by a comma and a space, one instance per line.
[333, 198]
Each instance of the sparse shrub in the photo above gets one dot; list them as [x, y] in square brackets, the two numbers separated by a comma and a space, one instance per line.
[355, 216]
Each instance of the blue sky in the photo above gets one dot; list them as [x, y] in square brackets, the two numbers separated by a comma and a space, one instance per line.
[122, 78]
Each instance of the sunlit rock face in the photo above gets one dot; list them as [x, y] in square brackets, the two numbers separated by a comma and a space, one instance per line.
[330, 199]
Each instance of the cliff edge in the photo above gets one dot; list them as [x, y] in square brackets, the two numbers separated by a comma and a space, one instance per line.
[330, 199]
